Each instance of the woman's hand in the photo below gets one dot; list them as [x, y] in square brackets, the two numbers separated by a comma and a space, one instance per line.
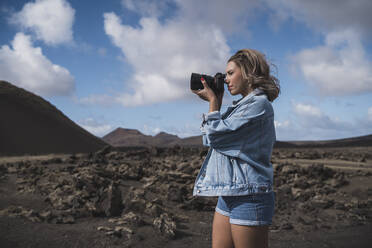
[208, 95]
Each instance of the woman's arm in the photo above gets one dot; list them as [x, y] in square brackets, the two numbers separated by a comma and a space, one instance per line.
[239, 125]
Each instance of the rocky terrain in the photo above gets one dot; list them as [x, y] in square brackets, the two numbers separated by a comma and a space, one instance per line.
[143, 198]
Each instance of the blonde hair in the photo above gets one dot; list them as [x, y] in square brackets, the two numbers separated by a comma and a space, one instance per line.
[256, 72]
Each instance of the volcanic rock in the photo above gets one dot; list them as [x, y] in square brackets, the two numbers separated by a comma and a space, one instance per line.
[165, 226]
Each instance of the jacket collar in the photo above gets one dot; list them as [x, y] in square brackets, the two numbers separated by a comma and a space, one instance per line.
[242, 100]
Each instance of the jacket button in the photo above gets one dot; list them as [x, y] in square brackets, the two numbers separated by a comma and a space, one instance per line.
[203, 174]
[263, 189]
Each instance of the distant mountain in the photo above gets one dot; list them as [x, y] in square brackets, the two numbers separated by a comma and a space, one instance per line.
[163, 138]
[365, 140]
[193, 141]
[127, 137]
[31, 125]
[131, 137]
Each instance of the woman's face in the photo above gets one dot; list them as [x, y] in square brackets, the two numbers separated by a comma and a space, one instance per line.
[234, 80]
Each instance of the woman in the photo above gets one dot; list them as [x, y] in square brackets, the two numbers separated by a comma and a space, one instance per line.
[237, 167]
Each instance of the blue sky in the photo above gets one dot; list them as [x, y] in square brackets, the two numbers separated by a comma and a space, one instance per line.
[127, 63]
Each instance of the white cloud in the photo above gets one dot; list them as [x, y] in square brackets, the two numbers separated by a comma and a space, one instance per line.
[340, 67]
[283, 124]
[104, 100]
[154, 8]
[150, 130]
[26, 66]
[164, 55]
[308, 110]
[326, 15]
[50, 20]
[230, 17]
[370, 114]
[182, 131]
[172, 39]
[312, 117]
[309, 122]
[288, 130]
[95, 127]
[285, 130]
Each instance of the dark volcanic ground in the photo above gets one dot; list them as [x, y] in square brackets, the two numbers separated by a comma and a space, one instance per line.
[143, 198]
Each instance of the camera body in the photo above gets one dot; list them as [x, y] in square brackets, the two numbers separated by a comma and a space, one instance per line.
[216, 83]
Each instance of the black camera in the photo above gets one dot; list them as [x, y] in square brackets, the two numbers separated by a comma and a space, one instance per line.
[216, 83]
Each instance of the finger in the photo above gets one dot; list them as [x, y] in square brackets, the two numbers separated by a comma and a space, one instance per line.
[204, 83]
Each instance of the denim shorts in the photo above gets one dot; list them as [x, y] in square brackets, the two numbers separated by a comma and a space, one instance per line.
[249, 210]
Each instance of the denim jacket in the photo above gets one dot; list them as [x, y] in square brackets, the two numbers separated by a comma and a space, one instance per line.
[241, 141]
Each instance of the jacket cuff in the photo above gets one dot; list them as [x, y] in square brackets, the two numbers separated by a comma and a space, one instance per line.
[215, 115]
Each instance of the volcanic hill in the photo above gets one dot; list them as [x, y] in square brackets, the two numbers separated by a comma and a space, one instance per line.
[31, 125]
